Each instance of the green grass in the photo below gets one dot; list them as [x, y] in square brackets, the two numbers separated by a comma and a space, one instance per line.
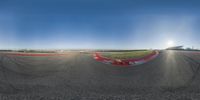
[126, 55]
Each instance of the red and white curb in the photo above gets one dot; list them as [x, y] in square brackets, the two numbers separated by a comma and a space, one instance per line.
[125, 62]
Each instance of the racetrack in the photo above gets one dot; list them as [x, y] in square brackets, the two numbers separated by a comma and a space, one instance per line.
[172, 75]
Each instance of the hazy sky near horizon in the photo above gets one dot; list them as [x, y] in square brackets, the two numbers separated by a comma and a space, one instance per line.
[100, 24]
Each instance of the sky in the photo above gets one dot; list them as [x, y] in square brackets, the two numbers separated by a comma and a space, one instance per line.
[99, 24]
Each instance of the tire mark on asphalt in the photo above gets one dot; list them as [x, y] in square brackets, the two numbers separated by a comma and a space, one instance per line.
[4, 74]
[22, 66]
[191, 61]
[16, 63]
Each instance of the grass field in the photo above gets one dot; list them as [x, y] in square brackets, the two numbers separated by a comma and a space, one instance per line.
[126, 55]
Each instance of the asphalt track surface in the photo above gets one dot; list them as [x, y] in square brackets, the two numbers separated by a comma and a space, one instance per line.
[173, 75]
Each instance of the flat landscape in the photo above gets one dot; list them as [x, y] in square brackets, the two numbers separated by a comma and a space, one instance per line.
[74, 75]
[127, 55]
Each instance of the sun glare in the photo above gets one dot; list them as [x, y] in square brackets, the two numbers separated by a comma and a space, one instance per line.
[170, 43]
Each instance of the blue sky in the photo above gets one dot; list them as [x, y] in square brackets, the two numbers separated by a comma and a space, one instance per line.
[98, 24]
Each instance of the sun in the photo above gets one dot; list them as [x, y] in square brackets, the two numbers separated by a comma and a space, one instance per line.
[170, 43]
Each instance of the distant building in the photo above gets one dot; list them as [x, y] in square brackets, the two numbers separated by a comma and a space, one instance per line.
[175, 48]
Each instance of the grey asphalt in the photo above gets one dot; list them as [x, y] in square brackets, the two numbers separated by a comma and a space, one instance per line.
[173, 75]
